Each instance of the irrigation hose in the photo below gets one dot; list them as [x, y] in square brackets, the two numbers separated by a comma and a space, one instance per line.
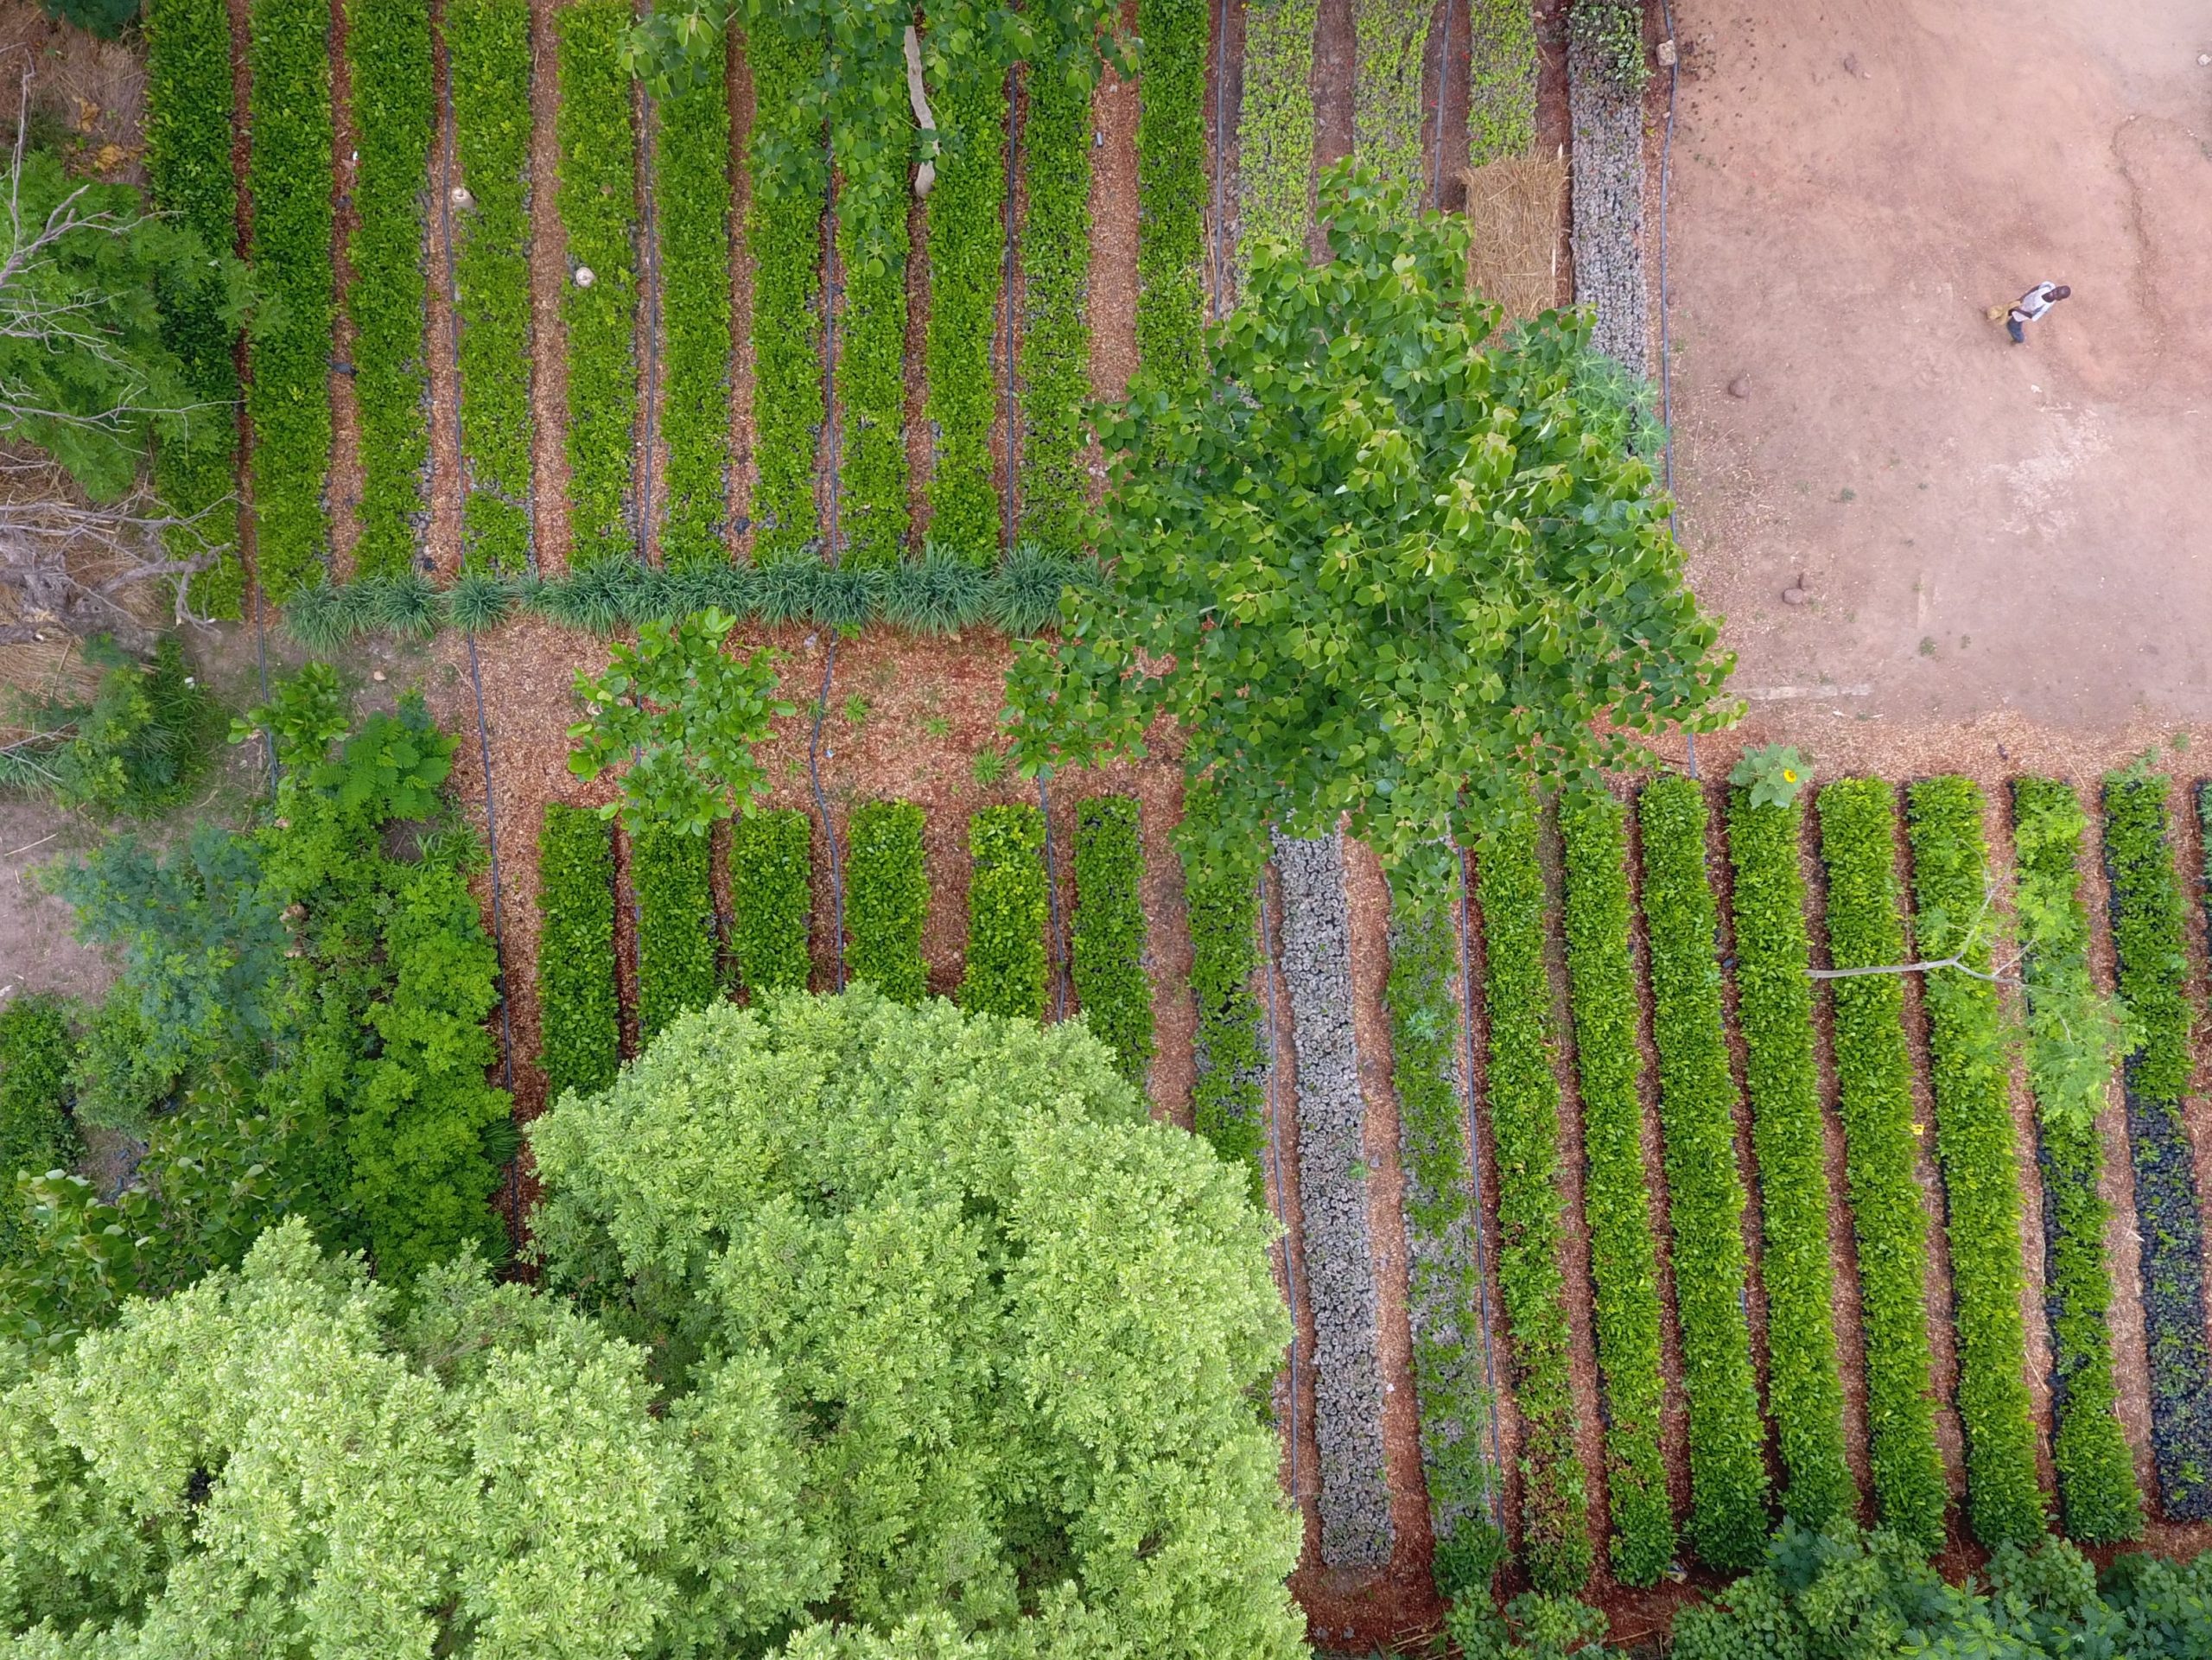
[1052, 908]
[1474, 1181]
[1275, 1159]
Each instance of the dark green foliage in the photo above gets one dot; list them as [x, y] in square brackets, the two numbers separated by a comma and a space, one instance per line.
[790, 187]
[676, 926]
[189, 128]
[36, 1133]
[1971, 1079]
[105, 18]
[1055, 247]
[772, 899]
[1007, 913]
[1774, 1010]
[488, 42]
[388, 49]
[137, 748]
[887, 899]
[872, 247]
[1221, 877]
[940, 594]
[1524, 1121]
[1613, 30]
[967, 243]
[692, 195]
[1874, 1096]
[599, 211]
[1705, 1195]
[2099, 1500]
[1171, 186]
[1617, 1189]
[289, 356]
[578, 1011]
[1111, 986]
[2151, 949]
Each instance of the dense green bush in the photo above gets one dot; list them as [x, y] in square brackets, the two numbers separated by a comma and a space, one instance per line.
[579, 1010]
[289, 350]
[139, 747]
[1502, 108]
[692, 205]
[1007, 913]
[1171, 188]
[1055, 249]
[37, 1135]
[2099, 1500]
[1616, 1188]
[1275, 127]
[887, 899]
[790, 189]
[1221, 875]
[1705, 1195]
[1107, 951]
[1971, 1075]
[967, 244]
[676, 926]
[598, 212]
[1774, 1010]
[1524, 1121]
[488, 44]
[388, 56]
[1874, 1096]
[771, 901]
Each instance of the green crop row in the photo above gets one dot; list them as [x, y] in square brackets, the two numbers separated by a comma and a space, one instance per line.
[1971, 1074]
[36, 1132]
[669, 872]
[487, 45]
[388, 53]
[1617, 1189]
[1274, 126]
[1524, 1125]
[966, 250]
[1774, 1011]
[2148, 940]
[691, 185]
[1055, 246]
[1007, 913]
[289, 395]
[791, 191]
[599, 211]
[1171, 186]
[1874, 1096]
[578, 1007]
[1705, 1193]
[2099, 1500]
[1107, 952]
[1221, 878]
[772, 899]
[872, 250]
[189, 130]
[1502, 108]
[887, 899]
[1388, 126]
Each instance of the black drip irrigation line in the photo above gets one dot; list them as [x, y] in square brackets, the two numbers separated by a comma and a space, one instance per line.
[1012, 407]
[498, 949]
[648, 392]
[822, 807]
[1475, 1182]
[1220, 149]
[1275, 1159]
[1052, 909]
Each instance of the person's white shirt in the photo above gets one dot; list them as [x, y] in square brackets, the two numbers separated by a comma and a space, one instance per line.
[2036, 301]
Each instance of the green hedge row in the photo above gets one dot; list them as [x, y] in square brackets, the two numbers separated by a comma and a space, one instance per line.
[791, 191]
[2099, 1500]
[1055, 249]
[1728, 1521]
[36, 1132]
[1171, 186]
[487, 45]
[967, 243]
[1274, 126]
[1502, 108]
[1389, 130]
[887, 899]
[190, 125]
[1524, 1124]
[669, 872]
[1616, 1188]
[1008, 911]
[1874, 1096]
[872, 250]
[2148, 939]
[1107, 951]
[1774, 1011]
[579, 1010]
[691, 187]
[289, 354]
[598, 212]
[394, 108]
[1971, 1073]
[1221, 875]
[772, 899]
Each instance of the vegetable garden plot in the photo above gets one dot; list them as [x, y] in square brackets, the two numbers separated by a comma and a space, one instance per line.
[692, 192]
[1055, 250]
[1111, 987]
[791, 191]
[1390, 128]
[675, 926]
[580, 1040]
[1170, 185]
[887, 899]
[1274, 126]
[1607, 158]
[1502, 62]
[771, 901]
[1006, 908]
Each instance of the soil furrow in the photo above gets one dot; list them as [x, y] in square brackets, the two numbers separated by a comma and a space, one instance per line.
[342, 485]
[549, 279]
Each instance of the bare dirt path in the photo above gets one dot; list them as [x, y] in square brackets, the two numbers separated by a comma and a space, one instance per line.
[549, 281]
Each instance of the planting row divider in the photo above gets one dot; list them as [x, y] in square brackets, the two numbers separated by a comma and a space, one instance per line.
[822, 807]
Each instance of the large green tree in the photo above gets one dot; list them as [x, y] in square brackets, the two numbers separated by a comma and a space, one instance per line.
[1380, 552]
[1023, 1327]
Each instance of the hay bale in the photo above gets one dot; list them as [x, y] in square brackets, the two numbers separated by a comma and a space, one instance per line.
[1513, 218]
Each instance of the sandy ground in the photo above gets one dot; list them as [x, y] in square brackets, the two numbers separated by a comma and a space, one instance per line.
[1978, 526]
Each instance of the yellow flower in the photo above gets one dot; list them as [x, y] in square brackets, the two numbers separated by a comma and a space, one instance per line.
[1789, 777]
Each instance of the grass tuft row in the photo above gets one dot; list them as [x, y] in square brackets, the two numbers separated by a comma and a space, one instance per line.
[1007, 913]
[669, 872]
[691, 183]
[772, 899]
[887, 899]
[1107, 952]
[579, 1013]
[1171, 186]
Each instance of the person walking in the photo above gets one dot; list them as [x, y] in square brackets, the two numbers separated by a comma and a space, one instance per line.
[2030, 306]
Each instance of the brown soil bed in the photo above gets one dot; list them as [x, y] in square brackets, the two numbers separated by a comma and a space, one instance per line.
[549, 281]
[442, 542]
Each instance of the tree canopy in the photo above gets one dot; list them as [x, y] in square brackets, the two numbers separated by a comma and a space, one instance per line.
[1370, 560]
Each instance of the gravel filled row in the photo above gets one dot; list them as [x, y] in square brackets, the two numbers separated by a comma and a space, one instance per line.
[1608, 167]
[1355, 1528]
